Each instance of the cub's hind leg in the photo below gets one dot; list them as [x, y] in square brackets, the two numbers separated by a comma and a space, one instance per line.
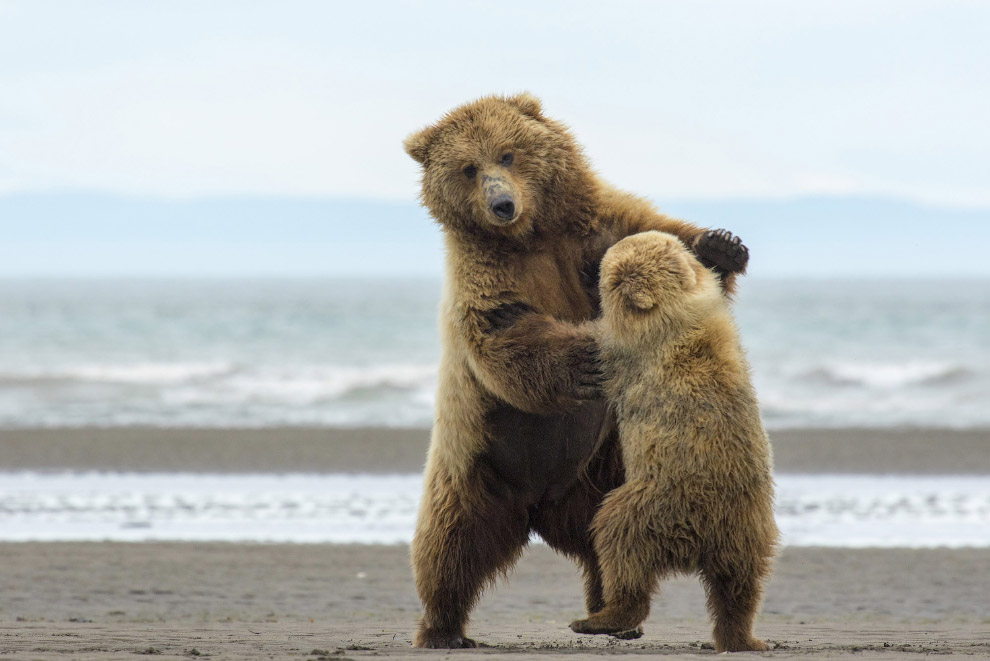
[734, 575]
[630, 560]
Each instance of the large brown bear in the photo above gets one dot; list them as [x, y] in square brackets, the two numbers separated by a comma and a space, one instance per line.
[522, 441]
[698, 495]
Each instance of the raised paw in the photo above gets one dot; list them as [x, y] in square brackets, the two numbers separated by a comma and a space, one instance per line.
[721, 250]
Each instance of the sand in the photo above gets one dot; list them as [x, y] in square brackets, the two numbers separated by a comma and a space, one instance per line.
[231, 601]
[249, 601]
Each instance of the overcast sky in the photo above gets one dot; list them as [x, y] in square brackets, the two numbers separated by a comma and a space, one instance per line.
[246, 138]
[671, 99]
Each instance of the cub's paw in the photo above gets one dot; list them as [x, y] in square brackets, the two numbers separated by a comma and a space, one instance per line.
[593, 625]
[505, 315]
[585, 367]
[720, 250]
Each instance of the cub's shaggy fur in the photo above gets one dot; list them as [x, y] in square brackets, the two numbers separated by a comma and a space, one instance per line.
[699, 493]
[521, 442]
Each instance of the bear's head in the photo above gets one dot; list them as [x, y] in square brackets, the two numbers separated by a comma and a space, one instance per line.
[499, 167]
[651, 277]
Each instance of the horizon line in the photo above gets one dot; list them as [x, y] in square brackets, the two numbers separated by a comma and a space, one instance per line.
[414, 201]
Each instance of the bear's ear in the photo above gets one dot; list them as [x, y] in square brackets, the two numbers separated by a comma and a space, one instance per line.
[527, 105]
[418, 144]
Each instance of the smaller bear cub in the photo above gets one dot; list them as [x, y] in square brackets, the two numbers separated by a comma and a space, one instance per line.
[698, 495]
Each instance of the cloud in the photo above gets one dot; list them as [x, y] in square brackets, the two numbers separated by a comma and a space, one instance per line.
[671, 99]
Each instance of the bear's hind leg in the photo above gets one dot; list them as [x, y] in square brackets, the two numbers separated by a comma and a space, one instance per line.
[734, 586]
[565, 524]
[575, 544]
[631, 562]
[462, 542]
[566, 530]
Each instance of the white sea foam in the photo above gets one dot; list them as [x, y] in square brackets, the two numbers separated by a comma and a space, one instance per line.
[332, 380]
[139, 373]
[886, 376]
[213, 394]
[313, 384]
[812, 510]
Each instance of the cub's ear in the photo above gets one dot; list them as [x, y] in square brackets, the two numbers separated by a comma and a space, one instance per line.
[527, 105]
[636, 295]
[630, 283]
[418, 144]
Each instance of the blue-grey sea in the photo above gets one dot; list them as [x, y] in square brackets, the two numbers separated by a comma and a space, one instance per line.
[235, 353]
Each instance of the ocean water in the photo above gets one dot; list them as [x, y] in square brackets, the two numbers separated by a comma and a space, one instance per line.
[364, 352]
[811, 510]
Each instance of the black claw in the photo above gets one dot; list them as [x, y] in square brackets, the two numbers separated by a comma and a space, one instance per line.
[722, 251]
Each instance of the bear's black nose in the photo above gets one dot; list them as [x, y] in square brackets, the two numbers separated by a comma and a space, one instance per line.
[504, 207]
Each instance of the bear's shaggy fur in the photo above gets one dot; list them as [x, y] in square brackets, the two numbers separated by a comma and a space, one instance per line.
[699, 492]
[521, 441]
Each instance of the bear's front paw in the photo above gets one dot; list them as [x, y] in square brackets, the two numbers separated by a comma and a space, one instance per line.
[437, 641]
[586, 375]
[746, 645]
[505, 316]
[720, 250]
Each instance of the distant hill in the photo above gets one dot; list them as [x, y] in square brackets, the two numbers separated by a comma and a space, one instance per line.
[91, 235]
[850, 236]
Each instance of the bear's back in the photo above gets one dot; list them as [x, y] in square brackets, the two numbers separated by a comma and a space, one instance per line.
[686, 404]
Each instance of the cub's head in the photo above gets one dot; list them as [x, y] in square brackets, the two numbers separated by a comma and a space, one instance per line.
[496, 166]
[649, 277]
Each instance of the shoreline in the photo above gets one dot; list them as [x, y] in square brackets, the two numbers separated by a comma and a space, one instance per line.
[392, 450]
[254, 601]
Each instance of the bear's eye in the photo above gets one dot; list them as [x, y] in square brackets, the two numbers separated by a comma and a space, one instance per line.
[507, 159]
[470, 171]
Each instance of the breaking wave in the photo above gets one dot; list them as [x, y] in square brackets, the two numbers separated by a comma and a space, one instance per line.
[220, 394]
[888, 375]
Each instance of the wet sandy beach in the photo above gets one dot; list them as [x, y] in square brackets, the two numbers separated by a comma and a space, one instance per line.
[245, 601]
